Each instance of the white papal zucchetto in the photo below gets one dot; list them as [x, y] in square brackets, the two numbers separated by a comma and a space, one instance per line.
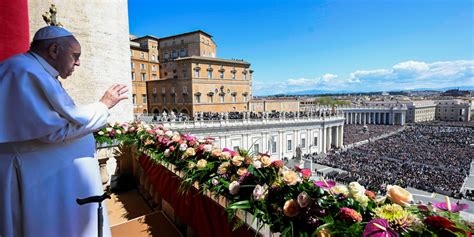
[51, 32]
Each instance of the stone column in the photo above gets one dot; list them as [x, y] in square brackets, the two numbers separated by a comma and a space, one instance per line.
[329, 138]
[341, 136]
[380, 118]
[281, 145]
[322, 139]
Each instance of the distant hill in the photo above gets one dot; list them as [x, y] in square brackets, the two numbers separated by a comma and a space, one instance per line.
[323, 92]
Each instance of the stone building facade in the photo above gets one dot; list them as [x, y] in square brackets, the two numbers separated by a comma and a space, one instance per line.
[144, 54]
[453, 110]
[193, 80]
[279, 137]
[102, 29]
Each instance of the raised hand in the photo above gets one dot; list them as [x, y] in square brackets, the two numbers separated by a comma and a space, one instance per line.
[114, 94]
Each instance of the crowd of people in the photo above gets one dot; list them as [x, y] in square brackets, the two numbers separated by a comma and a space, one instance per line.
[450, 123]
[431, 158]
[172, 116]
[355, 133]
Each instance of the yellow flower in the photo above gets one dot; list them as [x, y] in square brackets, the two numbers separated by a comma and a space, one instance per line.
[176, 138]
[189, 152]
[323, 233]
[399, 195]
[241, 171]
[191, 165]
[222, 169]
[149, 142]
[290, 177]
[237, 160]
[201, 164]
[266, 161]
[225, 156]
[340, 189]
[216, 153]
[362, 199]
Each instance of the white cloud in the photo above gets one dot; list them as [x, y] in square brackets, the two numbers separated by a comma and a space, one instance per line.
[411, 66]
[300, 82]
[328, 76]
[404, 75]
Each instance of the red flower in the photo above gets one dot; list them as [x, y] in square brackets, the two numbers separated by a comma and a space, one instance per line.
[438, 222]
[306, 173]
[277, 164]
[441, 223]
[370, 194]
[350, 215]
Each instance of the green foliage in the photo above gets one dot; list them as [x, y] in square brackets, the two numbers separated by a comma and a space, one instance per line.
[326, 100]
[261, 187]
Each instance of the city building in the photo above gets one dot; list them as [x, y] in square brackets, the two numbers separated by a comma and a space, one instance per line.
[417, 110]
[453, 110]
[144, 67]
[280, 137]
[192, 79]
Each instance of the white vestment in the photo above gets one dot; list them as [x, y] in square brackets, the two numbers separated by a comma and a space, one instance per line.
[46, 154]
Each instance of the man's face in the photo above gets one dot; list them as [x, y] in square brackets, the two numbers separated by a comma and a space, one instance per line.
[68, 57]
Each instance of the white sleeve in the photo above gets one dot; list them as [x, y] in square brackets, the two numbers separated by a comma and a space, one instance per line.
[97, 114]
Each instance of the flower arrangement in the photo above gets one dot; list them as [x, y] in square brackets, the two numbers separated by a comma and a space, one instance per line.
[285, 198]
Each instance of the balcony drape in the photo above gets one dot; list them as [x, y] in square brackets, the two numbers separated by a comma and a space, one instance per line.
[206, 217]
[14, 28]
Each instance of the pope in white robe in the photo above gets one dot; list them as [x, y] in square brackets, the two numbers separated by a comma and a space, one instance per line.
[46, 142]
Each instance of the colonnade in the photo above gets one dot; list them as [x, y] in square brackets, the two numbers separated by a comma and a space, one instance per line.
[375, 117]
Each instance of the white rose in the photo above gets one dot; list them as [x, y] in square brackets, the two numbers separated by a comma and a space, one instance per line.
[362, 199]
[257, 164]
[356, 188]
[207, 148]
[118, 131]
[183, 147]
[100, 133]
[159, 132]
[167, 153]
[109, 129]
[169, 133]
[304, 199]
[259, 192]
[234, 187]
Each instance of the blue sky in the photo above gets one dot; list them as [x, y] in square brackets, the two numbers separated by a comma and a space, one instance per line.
[350, 45]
